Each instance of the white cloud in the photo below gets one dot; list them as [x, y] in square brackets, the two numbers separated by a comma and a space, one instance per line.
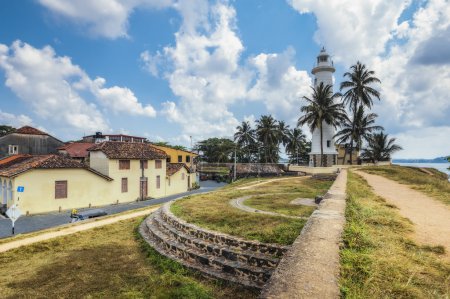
[14, 120]
[427, 143]
[52, 86]
[410, 57]
[208, 75]
[352, 29]
[107, 18]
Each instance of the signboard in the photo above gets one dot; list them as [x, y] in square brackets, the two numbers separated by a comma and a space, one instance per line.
[13, 213]
[20, 189]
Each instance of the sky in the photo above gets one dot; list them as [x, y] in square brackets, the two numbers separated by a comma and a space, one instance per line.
[172, 70]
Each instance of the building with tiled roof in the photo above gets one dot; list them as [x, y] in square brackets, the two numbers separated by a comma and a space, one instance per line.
[28, 140]
[118, 172]
[173, 168]
[129, 150]
[51, 182]
[99, 137]
[76, 150]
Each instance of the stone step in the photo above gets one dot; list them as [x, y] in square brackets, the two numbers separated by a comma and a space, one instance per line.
[220, 239]
[215, 266]
[250, 258]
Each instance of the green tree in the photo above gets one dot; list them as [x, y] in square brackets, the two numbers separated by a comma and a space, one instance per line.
[283, 132]
[296, 145]
[358, 91]
[5, 130]
[358, 129]
[267, 132]
[380, 148]
[216, 150]
[321, 108]
[245, 139]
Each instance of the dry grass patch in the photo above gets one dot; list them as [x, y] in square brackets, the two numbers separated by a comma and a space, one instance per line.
[436, 185]
[106, 262]
[378, 259]
[213, 211]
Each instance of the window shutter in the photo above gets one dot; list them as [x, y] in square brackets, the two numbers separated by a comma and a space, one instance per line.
[124, 164]
[60, 189]
[124, 185]
[158, 164]
[158, 182]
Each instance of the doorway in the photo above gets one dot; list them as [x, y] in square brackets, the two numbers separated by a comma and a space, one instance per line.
[143, 188]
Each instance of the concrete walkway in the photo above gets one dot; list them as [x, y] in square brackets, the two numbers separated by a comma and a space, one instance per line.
[78, 227]
[431, 217]
[310, 269]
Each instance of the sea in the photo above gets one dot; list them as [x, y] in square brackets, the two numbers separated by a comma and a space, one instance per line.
[442, 167]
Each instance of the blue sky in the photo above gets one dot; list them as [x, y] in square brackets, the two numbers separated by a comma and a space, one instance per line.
[170, 69]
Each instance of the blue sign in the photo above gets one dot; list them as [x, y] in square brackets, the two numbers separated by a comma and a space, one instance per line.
[20, 188]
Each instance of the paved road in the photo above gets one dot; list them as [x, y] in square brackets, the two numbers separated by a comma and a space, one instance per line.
[28, 224]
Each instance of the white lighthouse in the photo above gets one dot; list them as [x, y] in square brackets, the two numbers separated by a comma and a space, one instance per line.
[323, 72]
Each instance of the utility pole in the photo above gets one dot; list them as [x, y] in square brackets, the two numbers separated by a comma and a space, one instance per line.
[234, 176]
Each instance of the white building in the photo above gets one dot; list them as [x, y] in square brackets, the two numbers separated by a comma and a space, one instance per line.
[323, 72]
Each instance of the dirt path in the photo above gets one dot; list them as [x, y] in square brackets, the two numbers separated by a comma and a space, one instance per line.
[431, 217]
[73, 229]
[239, 204]
[253, 185]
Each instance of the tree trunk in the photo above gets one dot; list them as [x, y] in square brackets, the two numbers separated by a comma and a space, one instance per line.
[321, 145]
[353, 132]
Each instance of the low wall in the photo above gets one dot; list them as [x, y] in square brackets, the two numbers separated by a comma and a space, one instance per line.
[310, 268]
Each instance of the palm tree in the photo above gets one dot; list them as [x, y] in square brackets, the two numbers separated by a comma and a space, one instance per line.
[321, 108]
[245, 137]
[380, 148]
[358, 129]
[359, 91]
[283, 132]
[296, 142]
[268, 134]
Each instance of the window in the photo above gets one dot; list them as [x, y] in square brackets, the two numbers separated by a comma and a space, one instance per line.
[188, 159]
[180, 158]
[158, 182]
[328, 143]
[158, 164]
[13, 149]
[182, 176]
[124, 185]
[124, 164]
[60, 189]
[168, 159]
[144, 164]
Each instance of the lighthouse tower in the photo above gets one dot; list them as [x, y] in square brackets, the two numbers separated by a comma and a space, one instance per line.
[323, 73]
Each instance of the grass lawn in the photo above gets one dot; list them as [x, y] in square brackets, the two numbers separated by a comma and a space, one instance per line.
[214, 212]
[436, 185]
[280, 203]
[378, 259]
[107, 262]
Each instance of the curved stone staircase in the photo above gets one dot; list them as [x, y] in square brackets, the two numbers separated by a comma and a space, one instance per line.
[249, 263]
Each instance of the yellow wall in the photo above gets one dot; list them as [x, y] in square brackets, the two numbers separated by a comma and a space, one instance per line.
[175, 184]
[134, 176]
[174, 153]
[341, 152]
[83, 188]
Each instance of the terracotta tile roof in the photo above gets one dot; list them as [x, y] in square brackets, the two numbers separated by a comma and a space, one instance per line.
[77, 149]
[29, 131]
[129, 150]
[172, 168]
[23, 163]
